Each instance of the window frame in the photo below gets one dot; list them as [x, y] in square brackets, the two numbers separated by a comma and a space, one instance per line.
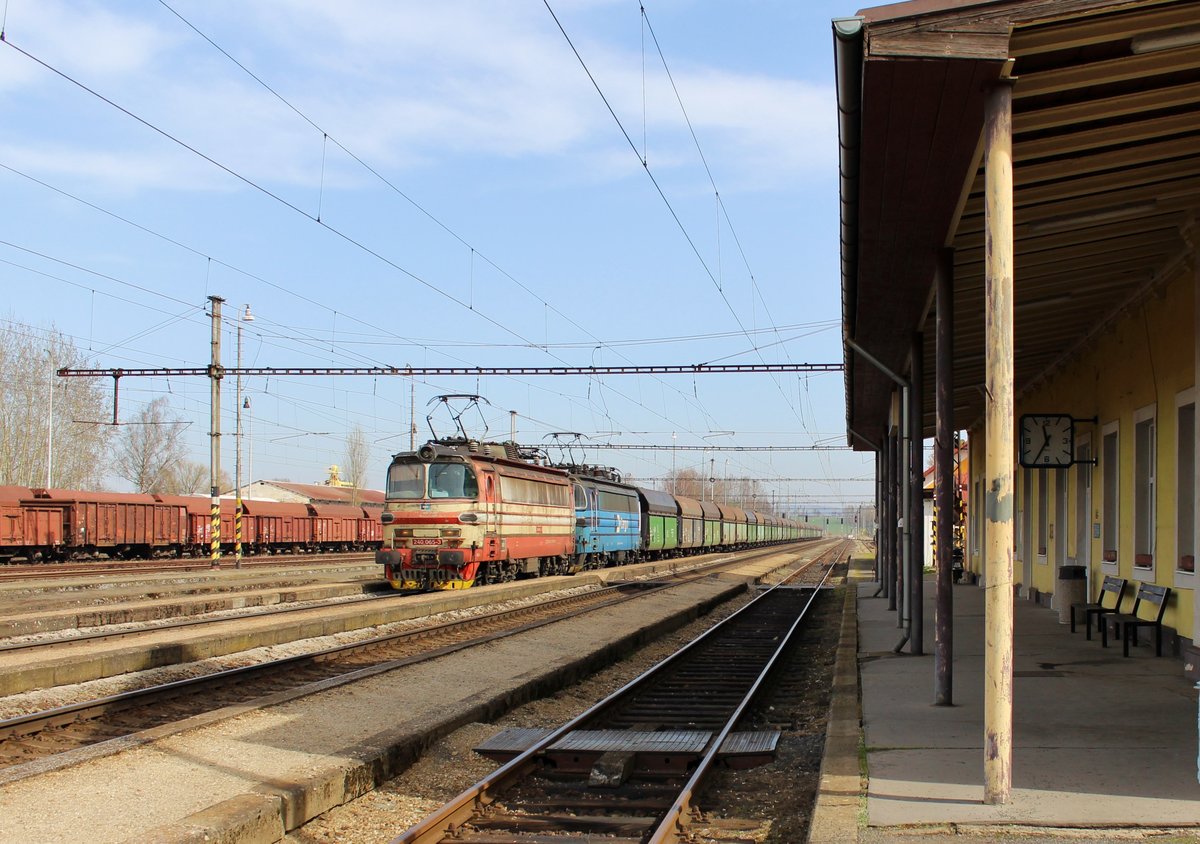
[1043, 514]
[1185, 487]
[1145, 491]
[1110, 497]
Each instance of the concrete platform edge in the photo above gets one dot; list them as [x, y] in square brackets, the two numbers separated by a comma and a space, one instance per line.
[370, 764]
[840, 797]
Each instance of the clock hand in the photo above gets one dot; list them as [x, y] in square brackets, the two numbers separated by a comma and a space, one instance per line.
[1045, 442]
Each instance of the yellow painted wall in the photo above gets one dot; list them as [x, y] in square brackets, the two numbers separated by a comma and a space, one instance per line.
[1145, 359]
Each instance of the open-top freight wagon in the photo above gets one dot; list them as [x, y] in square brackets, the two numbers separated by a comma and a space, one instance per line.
[53, 524]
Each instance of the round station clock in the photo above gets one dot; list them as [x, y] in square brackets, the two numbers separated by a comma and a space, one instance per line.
[1047, 440]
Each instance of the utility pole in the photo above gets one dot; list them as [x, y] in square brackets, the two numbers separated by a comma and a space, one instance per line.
[214, 373]
[50, 422]
[237, 517]
[412, 414]
[512, 426]
[673, 475]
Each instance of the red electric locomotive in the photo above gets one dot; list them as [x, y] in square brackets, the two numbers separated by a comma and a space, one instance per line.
[460, 512]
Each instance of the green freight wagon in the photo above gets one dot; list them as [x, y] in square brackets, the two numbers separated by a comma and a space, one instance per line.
[691, 524]
[712, 524]
[660, 524]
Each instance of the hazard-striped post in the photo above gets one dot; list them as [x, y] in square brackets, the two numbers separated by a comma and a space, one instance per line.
[214, 373]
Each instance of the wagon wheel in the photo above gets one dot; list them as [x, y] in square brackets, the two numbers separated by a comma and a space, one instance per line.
[483, 575]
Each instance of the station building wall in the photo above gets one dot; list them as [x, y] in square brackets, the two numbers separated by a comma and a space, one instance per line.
[1134, 517]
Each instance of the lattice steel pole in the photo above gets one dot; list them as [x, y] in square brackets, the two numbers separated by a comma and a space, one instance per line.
[214, 374]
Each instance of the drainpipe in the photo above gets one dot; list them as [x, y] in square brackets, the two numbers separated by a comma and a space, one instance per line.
[905, 488]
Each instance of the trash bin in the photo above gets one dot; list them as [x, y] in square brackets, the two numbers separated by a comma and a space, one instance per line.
[1071, 588]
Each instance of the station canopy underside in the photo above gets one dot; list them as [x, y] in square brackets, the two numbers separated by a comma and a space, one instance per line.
[1106, 153]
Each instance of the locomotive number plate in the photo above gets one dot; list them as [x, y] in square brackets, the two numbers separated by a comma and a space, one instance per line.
[420, 541]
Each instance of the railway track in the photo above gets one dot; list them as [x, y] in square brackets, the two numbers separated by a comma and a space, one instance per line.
[39, 735]
[625, 771]
[158, 626]
[25, 571]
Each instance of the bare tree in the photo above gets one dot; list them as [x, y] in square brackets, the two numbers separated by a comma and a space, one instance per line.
[150, 447]
[187, 478]
[358, 459]
[47, 421]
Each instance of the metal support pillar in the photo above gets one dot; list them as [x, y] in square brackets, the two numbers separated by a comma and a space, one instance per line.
[214, 474]
[880, 480]
[904, 468]
[893, 525]
[998, 446]
[943, 490]
[916, 500]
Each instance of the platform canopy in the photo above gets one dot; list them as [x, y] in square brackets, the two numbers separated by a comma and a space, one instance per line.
[1106, 117]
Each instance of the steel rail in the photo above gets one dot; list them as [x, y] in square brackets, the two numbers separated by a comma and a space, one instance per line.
[84, 710]
[235, 614]
[671, 826]
[437, 826]
[17, 571]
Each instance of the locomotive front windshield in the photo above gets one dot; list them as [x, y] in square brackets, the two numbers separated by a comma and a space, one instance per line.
[406, 480]
[443, 480]
[452, 480]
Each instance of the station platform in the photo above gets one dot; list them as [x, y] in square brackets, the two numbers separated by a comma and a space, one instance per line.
[1104, 747]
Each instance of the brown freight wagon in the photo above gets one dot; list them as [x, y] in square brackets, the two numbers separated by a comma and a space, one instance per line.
[369, 528]
[110, 523]
[275, 526]
[196, 515]
[12, 522]
[334, 525]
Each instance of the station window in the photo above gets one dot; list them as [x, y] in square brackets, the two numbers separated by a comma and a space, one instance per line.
[1185, 474]
[1143, 487]
[1110, 468]
[1083, 504]
[977, 521]
[1026, 511]
[1060, 517]
[1043, 522]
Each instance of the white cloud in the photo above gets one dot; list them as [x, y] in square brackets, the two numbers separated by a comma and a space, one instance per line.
[406, 85]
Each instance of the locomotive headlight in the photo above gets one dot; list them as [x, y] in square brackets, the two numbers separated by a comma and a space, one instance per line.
[451, 532]
[402, 532]
[468, 518]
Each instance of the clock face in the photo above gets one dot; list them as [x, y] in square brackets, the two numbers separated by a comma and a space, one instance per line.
[1047, 439]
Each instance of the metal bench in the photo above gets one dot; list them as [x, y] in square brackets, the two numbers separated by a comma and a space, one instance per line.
[1126, 625]
[1113, 585]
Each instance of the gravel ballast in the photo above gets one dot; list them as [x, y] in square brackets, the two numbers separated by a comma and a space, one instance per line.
[313, 753]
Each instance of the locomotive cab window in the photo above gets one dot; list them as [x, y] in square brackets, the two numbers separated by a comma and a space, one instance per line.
[580, 498]
[452, 480]
[406, 480]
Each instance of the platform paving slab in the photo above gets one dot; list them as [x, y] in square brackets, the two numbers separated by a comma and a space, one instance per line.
[1101, 744]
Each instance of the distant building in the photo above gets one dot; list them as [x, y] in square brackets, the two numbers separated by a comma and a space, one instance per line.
[312, 493]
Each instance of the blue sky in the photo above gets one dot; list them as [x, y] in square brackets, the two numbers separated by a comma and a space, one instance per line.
[516, 225]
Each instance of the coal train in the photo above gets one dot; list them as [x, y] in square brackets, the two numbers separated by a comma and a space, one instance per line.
[42, 525]
[459, 512]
